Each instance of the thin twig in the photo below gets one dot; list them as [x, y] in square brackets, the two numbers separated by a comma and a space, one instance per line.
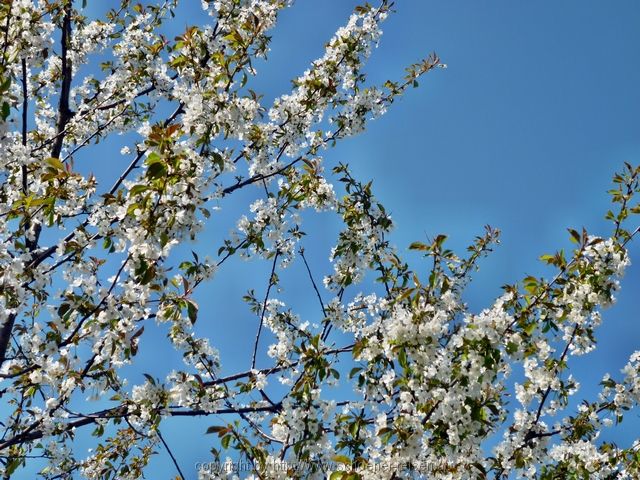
[264, 309]
[315, 287]
[173, 458]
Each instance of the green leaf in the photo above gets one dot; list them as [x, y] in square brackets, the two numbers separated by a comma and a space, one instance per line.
[152, 158]
[575, 236]
[529, 328]
[402, 358]
[440, 240]
[54, 163]
[358, 347]
[12, 466]
[418, 246]
[4, 86]
[216, 429]
[157, 170]
[342, 459]
[218, 160]
[547, 258]
[530, 284]
[136, 189]
[192, 311]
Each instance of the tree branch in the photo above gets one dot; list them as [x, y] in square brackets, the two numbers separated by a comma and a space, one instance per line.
[64, 112]
[122, 412]
[264, 309]
[313, 283]
[173, 458]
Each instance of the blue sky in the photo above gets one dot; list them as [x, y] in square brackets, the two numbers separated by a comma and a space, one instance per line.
[538, 107]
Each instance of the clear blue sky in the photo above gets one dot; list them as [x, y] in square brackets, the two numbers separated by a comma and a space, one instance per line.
[539, 107]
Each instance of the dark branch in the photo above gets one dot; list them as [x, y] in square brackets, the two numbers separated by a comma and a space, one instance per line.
[32, 434]
[64, 112]
[272, 281]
